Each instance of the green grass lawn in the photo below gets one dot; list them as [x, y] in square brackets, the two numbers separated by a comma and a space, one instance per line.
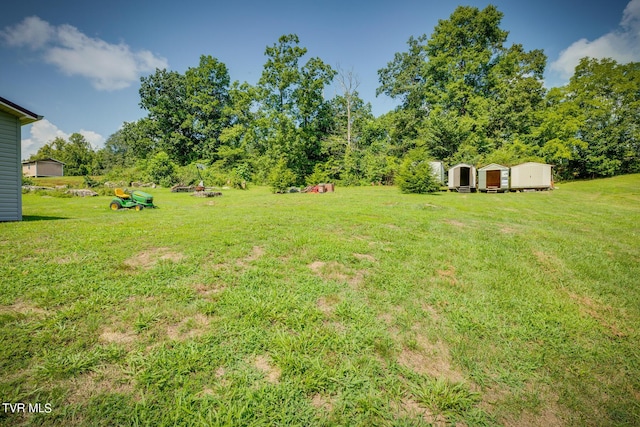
[360, 307]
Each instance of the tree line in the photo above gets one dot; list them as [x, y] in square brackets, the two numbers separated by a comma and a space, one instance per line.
[464, 96]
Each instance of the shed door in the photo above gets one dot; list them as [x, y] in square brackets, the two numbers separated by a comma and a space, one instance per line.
[493, 178]
[464, 176]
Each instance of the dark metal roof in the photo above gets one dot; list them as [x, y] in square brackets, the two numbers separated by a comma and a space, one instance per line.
[48, 159]
[25, 116]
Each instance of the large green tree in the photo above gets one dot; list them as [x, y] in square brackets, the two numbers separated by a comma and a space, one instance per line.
[293, 114]
[188, 108]
[462, 92]
[134, 141]
[590, 128]
[76, 153]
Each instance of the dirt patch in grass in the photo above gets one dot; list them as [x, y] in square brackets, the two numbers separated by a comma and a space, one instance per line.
[209, 290]
[188, 328]
[110, 336]
[264, 364]
[327, 304]
[600, 312]
[365, 257]
[149, 258]
[338, 327]
[430, 358]
[109, 379]
[323, 402]
[549, 262]
[220, 372]
[455, 223]
[335, 271]
[549, 412]
[257, 252]
[24, 308]
[411, 408]
[433, 313]
[448, 275]
[505, 229]
[71, 258]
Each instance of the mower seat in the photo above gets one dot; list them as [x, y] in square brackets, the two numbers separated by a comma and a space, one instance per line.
[121, 194]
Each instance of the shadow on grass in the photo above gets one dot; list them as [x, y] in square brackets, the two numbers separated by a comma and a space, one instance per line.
[41, 218]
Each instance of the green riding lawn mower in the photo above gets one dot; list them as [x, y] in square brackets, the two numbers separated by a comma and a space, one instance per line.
[137, 200]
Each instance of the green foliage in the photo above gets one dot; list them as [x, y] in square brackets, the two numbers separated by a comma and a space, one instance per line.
[162, 170]
[281, 177]
[462, 90]
[90, 182]
[415, 174]
[189, 110]
[78, 156]
[320, 175]
[465, 94]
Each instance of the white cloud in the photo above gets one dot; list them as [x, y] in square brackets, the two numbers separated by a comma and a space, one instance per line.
[43, 132]
[32, 32]
[95, 139]
[108, 66]
[622, 45]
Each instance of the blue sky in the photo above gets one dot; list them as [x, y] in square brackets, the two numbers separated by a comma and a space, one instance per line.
[78, 63]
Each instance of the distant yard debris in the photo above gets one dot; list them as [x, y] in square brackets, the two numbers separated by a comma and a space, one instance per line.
[206, 194]
[320, 188]
[82, 192]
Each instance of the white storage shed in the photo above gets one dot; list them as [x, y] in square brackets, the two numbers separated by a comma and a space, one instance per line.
[531, 176]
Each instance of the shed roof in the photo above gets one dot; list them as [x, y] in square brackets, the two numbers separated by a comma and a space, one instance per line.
[48, 159]
[531, 163]
[466, 165]
[494, 166]
[25, 116]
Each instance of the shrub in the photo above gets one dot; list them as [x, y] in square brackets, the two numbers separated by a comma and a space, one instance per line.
[162, 170]
[415, 175]
[281, 177]
[319, 175]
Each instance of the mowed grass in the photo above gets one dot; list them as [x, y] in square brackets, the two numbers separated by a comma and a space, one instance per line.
[360, 307]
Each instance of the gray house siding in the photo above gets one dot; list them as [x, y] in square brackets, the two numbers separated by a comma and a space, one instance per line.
[10, 169]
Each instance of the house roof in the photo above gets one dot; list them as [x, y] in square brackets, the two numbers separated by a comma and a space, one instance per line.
[25, 116]
[49, 159]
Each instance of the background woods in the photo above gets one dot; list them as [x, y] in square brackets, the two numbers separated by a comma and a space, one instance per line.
[465, 95]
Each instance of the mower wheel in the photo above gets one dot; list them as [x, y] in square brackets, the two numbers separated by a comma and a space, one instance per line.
[139, 207]
[115, 206]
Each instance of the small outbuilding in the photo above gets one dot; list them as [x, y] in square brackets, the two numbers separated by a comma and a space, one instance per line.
[462, 178]
[437, 169]
[42, 167]
[531, 176]
[12, 118]
[493, 178]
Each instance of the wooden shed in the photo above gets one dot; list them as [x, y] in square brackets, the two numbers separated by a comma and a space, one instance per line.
[438, 171]
[493, 178]
[12, 118]
[531, 176]
[462, 178]
[43, 167]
